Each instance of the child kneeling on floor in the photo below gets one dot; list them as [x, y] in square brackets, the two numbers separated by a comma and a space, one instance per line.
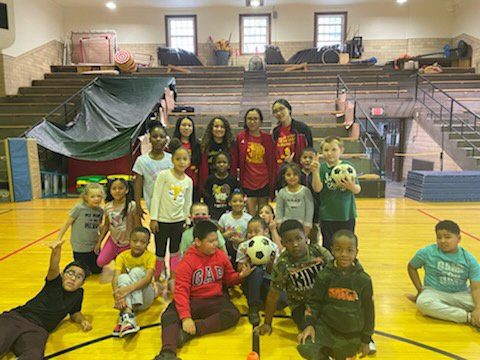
[199, 306]
[132, 282]
[340, 311]
[445, 294]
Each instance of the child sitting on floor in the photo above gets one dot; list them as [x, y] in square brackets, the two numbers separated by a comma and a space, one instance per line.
[445, 294]
[199, 306]
[132, 282]
[340, 313]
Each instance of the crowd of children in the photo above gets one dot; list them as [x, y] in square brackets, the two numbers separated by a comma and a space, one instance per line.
[207, 201]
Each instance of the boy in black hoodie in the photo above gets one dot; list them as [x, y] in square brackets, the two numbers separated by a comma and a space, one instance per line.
[340, 312]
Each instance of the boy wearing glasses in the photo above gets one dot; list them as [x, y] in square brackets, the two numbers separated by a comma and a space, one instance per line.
[24, 330]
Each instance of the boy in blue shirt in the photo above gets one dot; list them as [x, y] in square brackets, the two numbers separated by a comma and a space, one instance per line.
[445, 294]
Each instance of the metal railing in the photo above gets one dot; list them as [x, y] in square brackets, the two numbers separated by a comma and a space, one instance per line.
[454, 117]
[371, 138]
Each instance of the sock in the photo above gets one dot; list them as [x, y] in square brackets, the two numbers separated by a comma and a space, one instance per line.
[159, 267]
[174, 261]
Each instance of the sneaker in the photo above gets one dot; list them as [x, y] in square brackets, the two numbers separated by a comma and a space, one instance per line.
[129, 325]
[253, 316]
[183, 338]
[166, 355]
[116, 330]
[372, 348]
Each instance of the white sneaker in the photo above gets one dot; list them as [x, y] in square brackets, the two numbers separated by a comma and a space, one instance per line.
[129, 325]
[372, 348]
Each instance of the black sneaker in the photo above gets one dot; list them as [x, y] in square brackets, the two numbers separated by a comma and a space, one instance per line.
[166, 355]
[183, 338]
[253, 316]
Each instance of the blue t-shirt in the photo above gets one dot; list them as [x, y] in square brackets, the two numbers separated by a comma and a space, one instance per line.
[445, 271]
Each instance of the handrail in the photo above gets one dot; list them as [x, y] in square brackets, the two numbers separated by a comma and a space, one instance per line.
[365, 128]
[62, 105]
[449, 111]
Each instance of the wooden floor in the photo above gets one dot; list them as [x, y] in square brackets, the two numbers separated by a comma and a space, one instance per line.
[390, 231]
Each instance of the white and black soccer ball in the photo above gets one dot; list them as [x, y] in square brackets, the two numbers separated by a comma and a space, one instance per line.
[343, 171]
[259, 250]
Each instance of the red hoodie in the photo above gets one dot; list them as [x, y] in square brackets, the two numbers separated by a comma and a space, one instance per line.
[201, 276]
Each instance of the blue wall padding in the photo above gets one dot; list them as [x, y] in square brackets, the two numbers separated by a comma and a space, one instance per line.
[22, 189]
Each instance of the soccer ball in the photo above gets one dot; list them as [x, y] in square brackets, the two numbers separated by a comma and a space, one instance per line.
[259, 250]
[343, 171]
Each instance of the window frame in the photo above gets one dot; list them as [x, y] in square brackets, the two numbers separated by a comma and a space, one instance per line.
[323, 13]
[195, 29]
[269, 31]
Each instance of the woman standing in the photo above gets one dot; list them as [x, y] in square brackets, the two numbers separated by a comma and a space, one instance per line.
[290, 136]
[217, 138]
[256, 161]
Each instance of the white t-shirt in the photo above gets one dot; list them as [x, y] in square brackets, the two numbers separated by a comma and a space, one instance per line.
[149, 169]
[171, 198]
[239, 226]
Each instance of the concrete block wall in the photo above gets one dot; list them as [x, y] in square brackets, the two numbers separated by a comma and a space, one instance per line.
[383, 50]
[418, 141]
[21, 70]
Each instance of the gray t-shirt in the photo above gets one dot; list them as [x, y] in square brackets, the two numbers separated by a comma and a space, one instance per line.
[85, 227]
[149, 169]
[295, 205]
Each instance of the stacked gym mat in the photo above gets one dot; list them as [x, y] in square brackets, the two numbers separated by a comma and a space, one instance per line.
[443, 186]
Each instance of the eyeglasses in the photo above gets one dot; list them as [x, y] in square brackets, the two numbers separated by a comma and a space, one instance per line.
[73, 275]
[278, 109]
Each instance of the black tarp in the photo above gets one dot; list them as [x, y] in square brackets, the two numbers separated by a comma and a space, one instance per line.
[111, 110]
[180, 57]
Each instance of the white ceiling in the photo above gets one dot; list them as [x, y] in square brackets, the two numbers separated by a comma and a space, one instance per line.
[201, 3]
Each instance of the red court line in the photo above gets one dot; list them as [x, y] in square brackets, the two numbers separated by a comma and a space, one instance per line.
[435, 218]
[28, 245]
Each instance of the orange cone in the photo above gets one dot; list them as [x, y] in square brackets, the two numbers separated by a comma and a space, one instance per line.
[253, 356]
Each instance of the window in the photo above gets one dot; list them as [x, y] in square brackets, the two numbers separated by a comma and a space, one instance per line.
[330, 28]
[181, 32]
[254, 33]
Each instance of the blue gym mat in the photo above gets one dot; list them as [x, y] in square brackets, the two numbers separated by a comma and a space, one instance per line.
[445, 186]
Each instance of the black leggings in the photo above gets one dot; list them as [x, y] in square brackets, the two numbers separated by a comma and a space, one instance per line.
[172, 231]
[89, 259]
[329, 228]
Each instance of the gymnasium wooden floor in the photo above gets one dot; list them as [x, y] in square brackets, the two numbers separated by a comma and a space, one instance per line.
[390, 231]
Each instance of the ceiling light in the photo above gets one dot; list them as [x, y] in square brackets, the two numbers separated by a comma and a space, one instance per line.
[254, 3]
[401, 1]
[111, 5]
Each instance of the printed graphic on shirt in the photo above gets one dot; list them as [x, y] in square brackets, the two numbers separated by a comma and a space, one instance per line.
[221, 194]
[452, 274]
[303, 275]
[343, 294]
[176, 192]
[117, 221]
[237, 231]
[293, 203]
[207, 275]
[255, 153]
[92, 220]
[331, 184]
[284, 144]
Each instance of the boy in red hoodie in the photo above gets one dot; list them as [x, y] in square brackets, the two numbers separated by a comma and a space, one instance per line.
[199, 306]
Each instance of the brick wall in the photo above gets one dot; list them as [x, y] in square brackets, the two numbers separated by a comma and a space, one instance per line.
[475, 43]
[418, 141]
[21, 70]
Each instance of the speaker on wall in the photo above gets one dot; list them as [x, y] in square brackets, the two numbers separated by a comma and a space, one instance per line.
[3, 16]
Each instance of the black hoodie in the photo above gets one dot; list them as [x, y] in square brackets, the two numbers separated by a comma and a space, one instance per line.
[344, 301]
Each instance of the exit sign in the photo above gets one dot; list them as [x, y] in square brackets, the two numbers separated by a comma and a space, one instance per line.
[377, 111]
